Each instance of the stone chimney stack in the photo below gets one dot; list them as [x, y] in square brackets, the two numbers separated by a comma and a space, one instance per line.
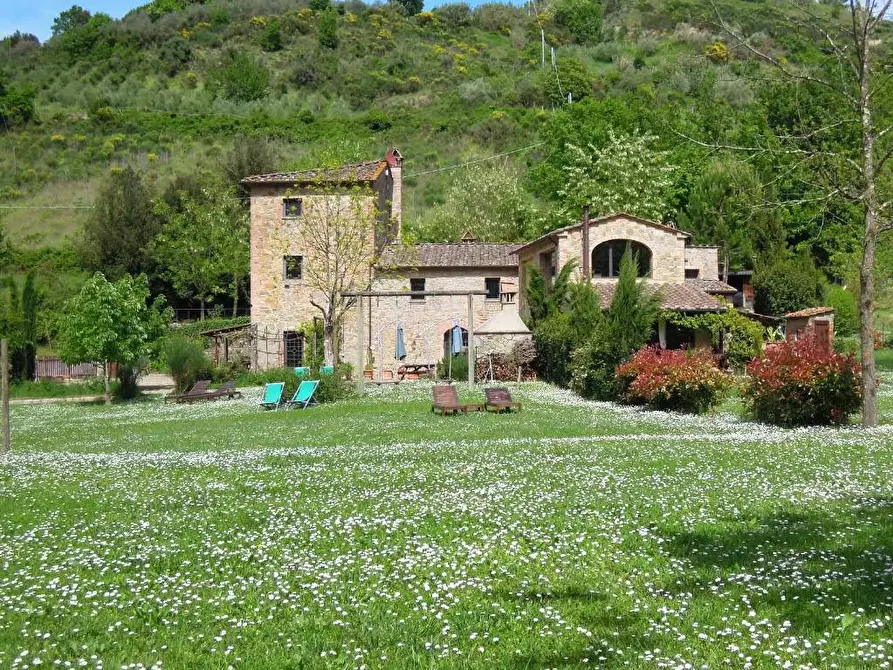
[395, 161]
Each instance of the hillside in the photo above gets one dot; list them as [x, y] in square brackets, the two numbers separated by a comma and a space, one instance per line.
[174, 89]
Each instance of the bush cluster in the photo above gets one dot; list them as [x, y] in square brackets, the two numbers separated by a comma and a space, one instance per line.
[186, 360]
[799, 383]
[674, 379]
[331, 387]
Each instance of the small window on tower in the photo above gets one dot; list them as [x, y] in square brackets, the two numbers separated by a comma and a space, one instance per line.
[294, 267]
[292, 208]
[692, 273]
[491, 286]
[417, 285]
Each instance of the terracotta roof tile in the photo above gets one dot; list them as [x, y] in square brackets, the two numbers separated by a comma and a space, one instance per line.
[713, 286]
[808, 312]
[367, 171]
[682, 297]
[451, 255]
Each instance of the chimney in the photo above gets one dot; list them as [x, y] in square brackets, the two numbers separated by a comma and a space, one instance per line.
[586, 253]
[508, 293]
[395, 161]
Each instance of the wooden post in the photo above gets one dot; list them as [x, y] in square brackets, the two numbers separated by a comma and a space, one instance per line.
[585, 232]
[4, 384]
[471, 341]
[361, 345]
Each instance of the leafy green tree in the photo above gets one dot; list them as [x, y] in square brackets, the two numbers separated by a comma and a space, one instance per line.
[409, 7]
[787, 285]
[249, 156]
[111, 323]
[846, 314]
[626, 175]
[488, 201]
[319, 5]
[721, 208]
[16, 102]
[73, 17]
[18, 323]
[122, 226]
[572, 78]
[327, 32]
[90, 38]
[203, 247]
[271, 38]
[582, 18]
[240, 77]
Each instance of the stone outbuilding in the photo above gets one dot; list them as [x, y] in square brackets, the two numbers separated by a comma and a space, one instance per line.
[817, 322]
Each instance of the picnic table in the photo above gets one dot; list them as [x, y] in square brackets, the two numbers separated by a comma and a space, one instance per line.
[416, 369]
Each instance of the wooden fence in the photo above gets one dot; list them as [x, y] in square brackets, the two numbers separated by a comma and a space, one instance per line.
[54, 368]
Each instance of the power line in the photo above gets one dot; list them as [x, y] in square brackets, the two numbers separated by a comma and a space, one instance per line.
[474, 162]
[47, 206]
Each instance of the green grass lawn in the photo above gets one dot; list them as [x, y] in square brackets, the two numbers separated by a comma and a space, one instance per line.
[370, 533]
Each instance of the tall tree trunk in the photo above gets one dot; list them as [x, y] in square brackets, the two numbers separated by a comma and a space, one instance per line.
[329, 341]
[108, 382]
[869, 246]
[725, 265]
[201, 315]
[236, 284]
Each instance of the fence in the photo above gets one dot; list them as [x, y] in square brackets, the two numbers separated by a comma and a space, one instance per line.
[55, 368]
[195, 314]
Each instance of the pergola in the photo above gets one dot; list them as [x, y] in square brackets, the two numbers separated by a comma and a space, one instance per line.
[361, 342]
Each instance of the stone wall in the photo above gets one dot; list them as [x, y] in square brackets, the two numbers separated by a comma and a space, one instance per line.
[705, 259]
[498, 343]
[424, 321]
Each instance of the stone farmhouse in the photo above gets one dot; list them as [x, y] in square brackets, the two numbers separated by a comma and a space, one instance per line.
[282, 204]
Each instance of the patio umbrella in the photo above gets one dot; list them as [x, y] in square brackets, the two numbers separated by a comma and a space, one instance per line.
[400, 352]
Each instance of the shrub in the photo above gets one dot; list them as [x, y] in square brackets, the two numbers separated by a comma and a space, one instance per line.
[717, 53]
[798, 383]
[327, 32]
[846, 315]
[271, 38]
[476, 92]
[787, 285]
[454, 15]
[555, 340]
[847, 344]
[582, 18]
[677, 380]
[240, 77]
[331, 387]
[186, 361]
[459, 368]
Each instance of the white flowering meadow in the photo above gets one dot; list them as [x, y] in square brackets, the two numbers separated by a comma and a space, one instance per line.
[372, 534]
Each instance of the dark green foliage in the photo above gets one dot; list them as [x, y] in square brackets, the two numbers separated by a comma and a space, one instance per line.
[91, 38]
[18, 323]
[455, 369]
[186, 361]
[331, 387]
[787, 285]
[74, 17]
[547, 299]
[16, 102]
[455, 14]
[409, 7]
[175, 54]
[240, 77]
[327, 31]
[319, 5]
[117, 237]
[271, 38]
[627, 327]
[582, 18]
[128, 377]
[573, 78]
[846, 314]
[249, 156]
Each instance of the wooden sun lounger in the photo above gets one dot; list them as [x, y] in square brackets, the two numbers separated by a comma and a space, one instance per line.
[228, 391]
[500, 399]
[446, 399]
[199, 388]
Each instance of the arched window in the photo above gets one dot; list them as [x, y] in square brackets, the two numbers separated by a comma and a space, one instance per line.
[607, 255]
[448, 341]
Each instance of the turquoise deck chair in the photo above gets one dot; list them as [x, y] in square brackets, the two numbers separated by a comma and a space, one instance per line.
[327, 370]
[272, 397]
[303, 397]
[301, 373]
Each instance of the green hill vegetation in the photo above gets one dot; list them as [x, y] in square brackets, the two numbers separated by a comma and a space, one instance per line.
[180, 98]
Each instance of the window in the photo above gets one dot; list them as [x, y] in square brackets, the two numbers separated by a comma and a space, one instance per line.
[607, 255]
[292, 208]
[692, 273]
[293, 343]
[491, 286]
[417, 285]
[294, 267]
[547, 264]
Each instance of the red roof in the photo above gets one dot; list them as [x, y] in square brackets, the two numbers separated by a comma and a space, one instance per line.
[678, 297]
[808, 312]
[367, 171]
[465, 254]
[714, 286]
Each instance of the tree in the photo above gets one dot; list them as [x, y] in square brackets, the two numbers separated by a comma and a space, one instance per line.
[582, 18]
[203, 247]
[787, 285]
[73, 17]
[488, 201]
[249, 156]
[626, 175]
[570, 76]
[18, 323]
[328, 28]
[16, 102]
[409, 7]
[123, 224]
[339, 255]
[846, 142]
[240, 77]
[721, 207]
[271, 38]
[111, 323]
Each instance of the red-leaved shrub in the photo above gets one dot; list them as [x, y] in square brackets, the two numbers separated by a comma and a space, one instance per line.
[800, 383]
[673, 379]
